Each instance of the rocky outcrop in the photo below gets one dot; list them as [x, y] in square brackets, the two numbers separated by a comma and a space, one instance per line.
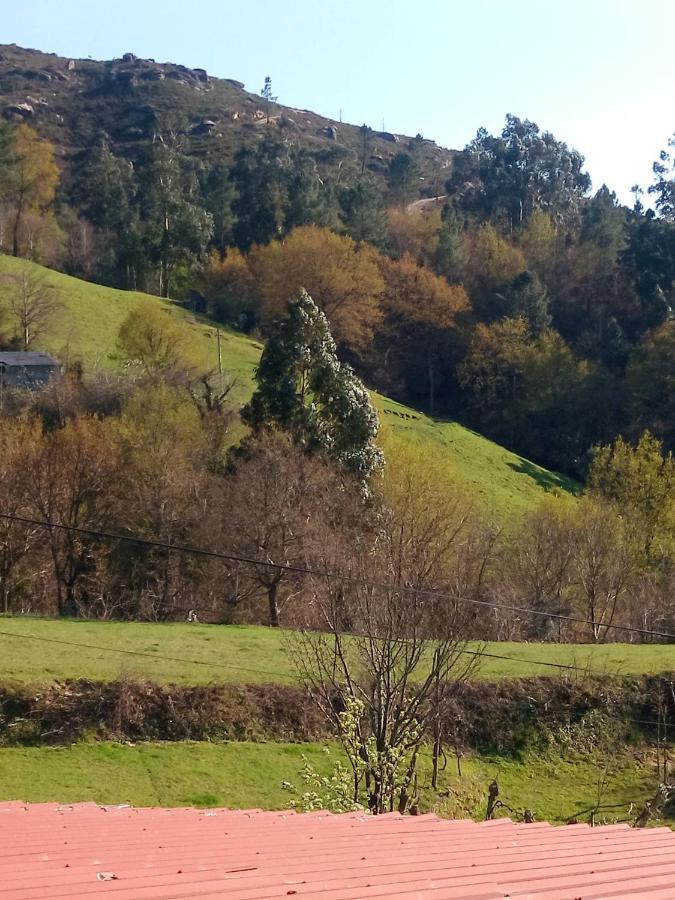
[19, 110]
[206, 126]
[152, 75]
[69, 100]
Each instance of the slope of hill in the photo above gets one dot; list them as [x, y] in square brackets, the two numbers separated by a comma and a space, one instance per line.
[507, 484]
[73, 101]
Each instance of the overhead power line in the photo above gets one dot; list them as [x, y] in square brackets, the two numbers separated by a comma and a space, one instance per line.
[333, 576]
[124, 650]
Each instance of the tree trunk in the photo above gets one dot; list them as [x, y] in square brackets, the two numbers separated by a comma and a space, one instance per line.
[15, 231]
[272, 591]
[436, 758]
[67, 604]
[432, 386]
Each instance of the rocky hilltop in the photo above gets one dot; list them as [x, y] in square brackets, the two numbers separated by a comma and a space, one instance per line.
[130, 101]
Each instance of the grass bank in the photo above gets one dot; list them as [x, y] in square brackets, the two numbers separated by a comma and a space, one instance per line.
[249, 775]
[35, 650]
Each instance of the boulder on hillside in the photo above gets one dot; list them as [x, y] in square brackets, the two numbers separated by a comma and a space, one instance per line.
[206, 126]
[129, 57]
[235, 83]
[22, 110]
[330, 131]
[388, 136]
[36, 75]
[36, 101]
[202, 75]
[152, 75]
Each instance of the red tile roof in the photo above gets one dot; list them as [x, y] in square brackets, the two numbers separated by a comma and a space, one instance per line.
[84, 851]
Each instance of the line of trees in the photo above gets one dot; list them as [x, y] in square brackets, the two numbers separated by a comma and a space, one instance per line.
[156, 452]
[538, 313]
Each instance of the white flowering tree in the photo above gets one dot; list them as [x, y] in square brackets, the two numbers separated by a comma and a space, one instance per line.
[304, 390]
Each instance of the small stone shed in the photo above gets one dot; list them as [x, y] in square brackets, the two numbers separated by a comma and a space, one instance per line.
[28, 370]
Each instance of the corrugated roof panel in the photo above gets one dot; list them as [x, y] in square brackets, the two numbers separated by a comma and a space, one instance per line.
[23, 358]
[85, 851]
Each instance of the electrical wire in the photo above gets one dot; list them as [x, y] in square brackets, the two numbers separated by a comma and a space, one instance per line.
[298, 570]
[330, 576]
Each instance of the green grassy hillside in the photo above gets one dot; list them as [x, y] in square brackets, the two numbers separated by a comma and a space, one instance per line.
[245, 775]
[44, 650]
[507, 484]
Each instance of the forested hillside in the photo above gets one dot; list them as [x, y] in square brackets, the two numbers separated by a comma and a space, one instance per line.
[506, 296]
[149, 415]
[84, 334]
[324, 378]
[513, 298]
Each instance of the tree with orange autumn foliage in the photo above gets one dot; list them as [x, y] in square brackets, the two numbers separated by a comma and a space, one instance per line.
[492, 261]
[414, 232]
[230, 287]
[32, 180]
[342, 277]
[421, 310]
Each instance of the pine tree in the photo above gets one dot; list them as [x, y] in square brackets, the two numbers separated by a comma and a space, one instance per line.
[266, 94]
[304, 390]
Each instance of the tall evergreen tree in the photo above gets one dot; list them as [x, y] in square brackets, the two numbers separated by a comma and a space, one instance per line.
[524, 296]
[403, 174]
[107, 194]
[505, 177]
[176, 228]
[363, 214]
[663, 188]
[218, 196]
[260, 177]
[305, 391]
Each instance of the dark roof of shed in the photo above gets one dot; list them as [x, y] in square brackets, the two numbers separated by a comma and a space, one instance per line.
[23, 359]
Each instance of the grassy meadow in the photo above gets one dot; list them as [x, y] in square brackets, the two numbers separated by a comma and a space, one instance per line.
[35, 650]
[248, 775]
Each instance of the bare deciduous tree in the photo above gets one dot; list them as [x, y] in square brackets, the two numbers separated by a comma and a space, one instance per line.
[70, 480]
[34, 305]
[389, 651]
[603, 563]
[275, 504]
[16, 539]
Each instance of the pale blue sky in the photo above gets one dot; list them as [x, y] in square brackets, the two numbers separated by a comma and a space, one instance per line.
[600, 74]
